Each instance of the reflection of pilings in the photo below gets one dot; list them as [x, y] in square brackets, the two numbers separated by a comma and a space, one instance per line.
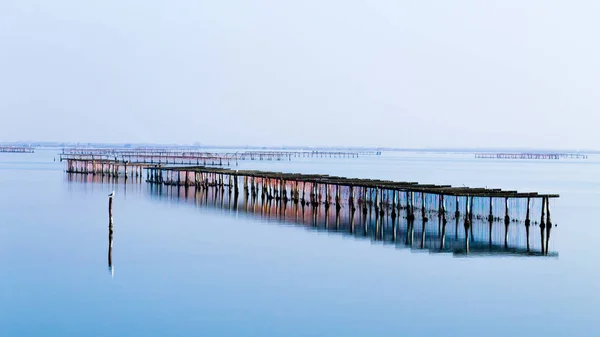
[375, 227]
[443, 238]
[376, 199]
[467, 223]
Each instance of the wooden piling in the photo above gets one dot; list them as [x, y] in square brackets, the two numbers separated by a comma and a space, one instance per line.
[110, 231]
[543, 224]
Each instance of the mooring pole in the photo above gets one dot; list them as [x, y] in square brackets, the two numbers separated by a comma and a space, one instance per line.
[110, 233]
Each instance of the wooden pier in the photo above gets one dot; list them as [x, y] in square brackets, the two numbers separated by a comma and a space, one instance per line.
[385, 199]
[545, 156]
[16, 149]
[435, 234]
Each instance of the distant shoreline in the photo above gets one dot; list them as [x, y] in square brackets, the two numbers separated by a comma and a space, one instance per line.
[294, 148]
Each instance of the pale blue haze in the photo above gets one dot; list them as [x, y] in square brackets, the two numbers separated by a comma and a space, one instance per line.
[410, 74]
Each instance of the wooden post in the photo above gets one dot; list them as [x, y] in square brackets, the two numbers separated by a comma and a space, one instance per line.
[394, 204]
[542, 223]
[376, 200]
[110, 233]
[467, 224]
[364, 199]
[457, 212]
[381, 205]
[423, 211]
[506, 216]
[337, 197]
[471, 212]
[548, 224]
[467, 218]
[411, 207]
[491, 223]
[528, 222]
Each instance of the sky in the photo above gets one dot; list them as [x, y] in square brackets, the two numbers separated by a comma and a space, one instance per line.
[410, 74]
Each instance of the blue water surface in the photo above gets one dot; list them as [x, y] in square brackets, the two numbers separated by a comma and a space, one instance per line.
[181, 270]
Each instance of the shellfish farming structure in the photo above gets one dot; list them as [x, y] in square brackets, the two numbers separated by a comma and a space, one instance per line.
[399, 203]
[117, 162]
[555, 156]
[16, 149]
[191, 157]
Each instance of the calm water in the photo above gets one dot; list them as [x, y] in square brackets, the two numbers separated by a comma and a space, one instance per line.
[184, 270]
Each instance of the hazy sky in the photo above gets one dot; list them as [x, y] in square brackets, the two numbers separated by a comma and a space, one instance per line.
[367, 73]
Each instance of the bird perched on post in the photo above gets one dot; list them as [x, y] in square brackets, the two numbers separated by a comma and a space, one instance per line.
[112, 194]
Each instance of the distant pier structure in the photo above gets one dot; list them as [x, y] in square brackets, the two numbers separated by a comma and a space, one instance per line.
[384, 199]
[523, 155]
[194, 157]
[16, 149]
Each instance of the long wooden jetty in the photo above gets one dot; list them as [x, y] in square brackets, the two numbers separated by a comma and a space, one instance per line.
[384, 198]
[435, 234]
[555, 156]
[16, 149]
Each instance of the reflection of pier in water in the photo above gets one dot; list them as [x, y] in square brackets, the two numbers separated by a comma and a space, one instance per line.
[441, 217]
[429, 232]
